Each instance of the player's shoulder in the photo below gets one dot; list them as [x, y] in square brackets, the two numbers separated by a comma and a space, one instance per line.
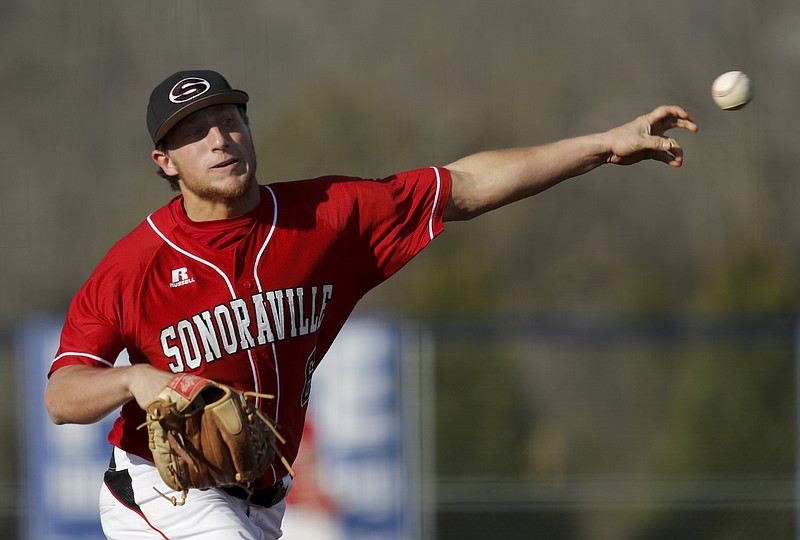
[308, 195]
[330, 187]
[321, 183]
[340, 201]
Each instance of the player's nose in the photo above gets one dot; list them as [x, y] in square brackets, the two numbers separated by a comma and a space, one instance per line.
[218, 138]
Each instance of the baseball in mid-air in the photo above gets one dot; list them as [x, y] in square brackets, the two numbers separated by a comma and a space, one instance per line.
[732, 90]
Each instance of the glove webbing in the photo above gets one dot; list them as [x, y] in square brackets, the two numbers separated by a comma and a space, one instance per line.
[179, 444]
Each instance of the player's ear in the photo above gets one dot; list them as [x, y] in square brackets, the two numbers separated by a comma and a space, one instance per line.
[162, 159]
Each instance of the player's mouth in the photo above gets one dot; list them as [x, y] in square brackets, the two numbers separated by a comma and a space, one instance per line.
[227, 163]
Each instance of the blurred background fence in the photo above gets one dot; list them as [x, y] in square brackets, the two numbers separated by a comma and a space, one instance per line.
[580, 428]
[596, 428]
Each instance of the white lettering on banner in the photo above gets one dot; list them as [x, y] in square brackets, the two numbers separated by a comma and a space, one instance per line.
[241, 324]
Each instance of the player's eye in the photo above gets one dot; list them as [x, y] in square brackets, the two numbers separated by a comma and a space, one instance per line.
[196, 132]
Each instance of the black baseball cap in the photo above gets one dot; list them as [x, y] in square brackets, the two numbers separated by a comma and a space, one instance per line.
[185, 92]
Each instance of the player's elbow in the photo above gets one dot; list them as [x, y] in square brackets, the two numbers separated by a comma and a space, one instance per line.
[51, 404]
[58, 397]
[57, 420]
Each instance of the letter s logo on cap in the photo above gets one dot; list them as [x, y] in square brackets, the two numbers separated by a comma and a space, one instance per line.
[188, 89]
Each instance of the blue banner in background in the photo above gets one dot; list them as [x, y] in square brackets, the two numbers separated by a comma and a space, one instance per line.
[356, 468]
[63, 465]
[358, 465]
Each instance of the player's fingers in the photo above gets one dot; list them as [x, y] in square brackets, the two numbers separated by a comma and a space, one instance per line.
[667, 111]
[686, 123]
[659, 143]
[671, 153]
[669, 116]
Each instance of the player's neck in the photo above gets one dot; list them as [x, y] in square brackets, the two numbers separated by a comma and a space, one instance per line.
[200, 208]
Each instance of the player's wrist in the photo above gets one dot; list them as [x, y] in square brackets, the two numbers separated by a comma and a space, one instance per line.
[598, 147]
[145, 383]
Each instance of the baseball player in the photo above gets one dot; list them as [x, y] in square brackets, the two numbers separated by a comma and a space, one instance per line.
[248, 284]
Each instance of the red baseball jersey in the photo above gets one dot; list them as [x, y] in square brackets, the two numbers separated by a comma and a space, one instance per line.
[259, 311]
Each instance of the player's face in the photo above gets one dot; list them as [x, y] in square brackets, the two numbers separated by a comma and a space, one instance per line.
[212, 153]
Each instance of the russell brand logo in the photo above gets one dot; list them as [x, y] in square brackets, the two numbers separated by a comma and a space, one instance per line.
[180, 277]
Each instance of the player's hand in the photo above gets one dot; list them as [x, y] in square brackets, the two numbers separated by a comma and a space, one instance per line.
[645, 137]
[146, 383]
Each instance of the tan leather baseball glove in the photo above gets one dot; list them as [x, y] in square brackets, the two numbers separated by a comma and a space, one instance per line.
[204, 434]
